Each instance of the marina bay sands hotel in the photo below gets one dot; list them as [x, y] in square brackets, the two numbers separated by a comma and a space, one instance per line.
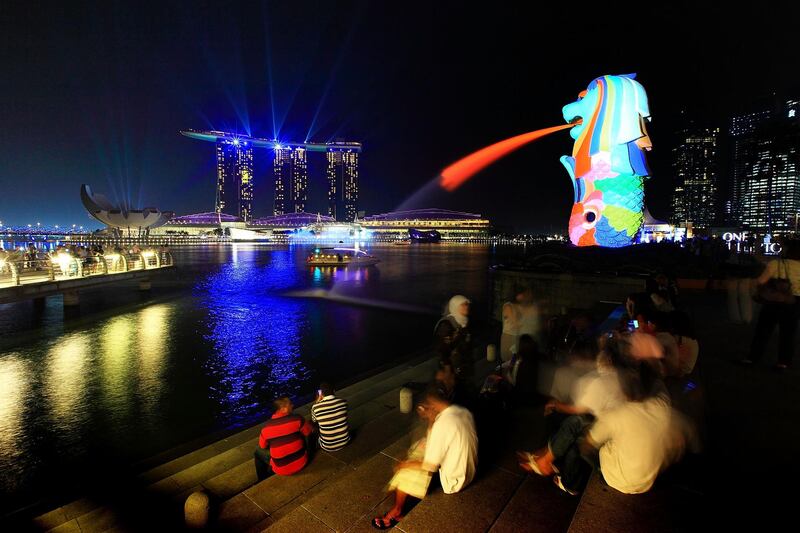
[235, 174]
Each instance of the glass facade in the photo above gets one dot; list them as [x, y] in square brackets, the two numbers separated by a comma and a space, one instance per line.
[766, 169]
[290, 169]
[234, 178]
[694, 162]
[342, 183]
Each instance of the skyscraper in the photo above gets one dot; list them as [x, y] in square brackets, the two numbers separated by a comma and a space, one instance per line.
[291, 180]
[234, 193]
[694, 162]
[766, 167]
[343, 181]
[234, 178]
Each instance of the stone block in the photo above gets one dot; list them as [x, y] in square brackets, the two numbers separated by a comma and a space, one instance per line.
[351, 496]
[98, 520]
[50, 520]
[233, 481]
[238, 514]
[67, 527]
[472, 510]
[277, 491]
[536, 503]
[196, 510]
[299, 521]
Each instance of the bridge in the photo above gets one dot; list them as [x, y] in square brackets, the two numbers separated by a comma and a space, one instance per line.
[35, 277]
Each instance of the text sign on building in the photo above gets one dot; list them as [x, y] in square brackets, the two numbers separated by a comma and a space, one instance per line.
[739, 242]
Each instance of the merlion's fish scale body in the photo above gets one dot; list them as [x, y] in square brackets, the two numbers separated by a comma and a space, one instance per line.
[608, 166]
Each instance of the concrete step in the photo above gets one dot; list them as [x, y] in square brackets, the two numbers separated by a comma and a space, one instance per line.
[278, 496]
[536, 505]
[474, 509]
[225, 467]
[664, 508]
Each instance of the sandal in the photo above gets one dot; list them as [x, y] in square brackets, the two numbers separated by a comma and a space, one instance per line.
[560, 485]
[379, 522]
[531, 463]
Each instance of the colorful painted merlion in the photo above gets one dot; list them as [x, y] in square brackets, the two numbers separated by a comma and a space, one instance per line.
[608, 164]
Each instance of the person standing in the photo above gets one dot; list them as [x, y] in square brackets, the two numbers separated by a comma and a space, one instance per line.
[783, 315]
[282, 444]
[528, 319]
[510, 334]
[329, 413]
[454, 339]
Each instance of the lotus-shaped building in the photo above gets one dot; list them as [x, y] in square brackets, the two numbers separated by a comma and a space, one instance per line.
[119, 218]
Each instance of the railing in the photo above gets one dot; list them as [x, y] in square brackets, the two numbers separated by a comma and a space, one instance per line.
[16, 270]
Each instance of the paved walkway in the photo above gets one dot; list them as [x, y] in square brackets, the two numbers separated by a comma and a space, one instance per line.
[750, 428]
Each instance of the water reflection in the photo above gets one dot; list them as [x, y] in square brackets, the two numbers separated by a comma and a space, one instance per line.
[65, 381]
[116, 338]
[256, 332]
[155, 324]
[15, 378]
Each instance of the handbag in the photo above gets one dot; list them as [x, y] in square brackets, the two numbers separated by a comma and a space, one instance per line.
[776, 290]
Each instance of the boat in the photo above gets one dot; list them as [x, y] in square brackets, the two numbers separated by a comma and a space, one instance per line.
[340, 257]
[424, 235]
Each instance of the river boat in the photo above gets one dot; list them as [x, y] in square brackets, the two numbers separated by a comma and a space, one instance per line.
[335, 257]
[424, 235]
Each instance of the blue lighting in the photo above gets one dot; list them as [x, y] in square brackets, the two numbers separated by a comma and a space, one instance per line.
[255, 332]
[236, 142]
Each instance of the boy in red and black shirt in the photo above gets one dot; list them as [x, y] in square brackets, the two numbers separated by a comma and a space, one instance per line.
[282, 444]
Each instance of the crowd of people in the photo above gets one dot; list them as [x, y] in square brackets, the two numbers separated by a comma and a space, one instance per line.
[608, 403]
[617, 417]
[31, 258]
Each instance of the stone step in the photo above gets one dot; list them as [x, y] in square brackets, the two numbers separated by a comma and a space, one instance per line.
[536, 505]
[222, 466]
[474, 509]
[238, 478]
[664, 508]
[279, 496]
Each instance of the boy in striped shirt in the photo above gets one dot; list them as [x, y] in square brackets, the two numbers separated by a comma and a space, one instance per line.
[330, 415]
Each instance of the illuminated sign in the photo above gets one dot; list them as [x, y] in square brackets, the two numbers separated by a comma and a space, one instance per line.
[741, 242]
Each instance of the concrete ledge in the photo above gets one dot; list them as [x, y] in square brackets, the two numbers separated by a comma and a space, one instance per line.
[474, 509]
[604, 509]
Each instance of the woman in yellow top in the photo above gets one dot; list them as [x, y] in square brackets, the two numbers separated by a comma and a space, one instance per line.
[784, 315]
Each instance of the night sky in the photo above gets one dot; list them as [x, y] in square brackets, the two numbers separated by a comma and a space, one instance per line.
[98, 93]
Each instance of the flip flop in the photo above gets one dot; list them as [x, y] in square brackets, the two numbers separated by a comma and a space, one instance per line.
[379, 523]
[560, 485]
[526, 457]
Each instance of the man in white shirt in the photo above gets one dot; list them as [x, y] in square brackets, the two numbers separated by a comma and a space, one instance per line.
[451, 449]
[634, 442]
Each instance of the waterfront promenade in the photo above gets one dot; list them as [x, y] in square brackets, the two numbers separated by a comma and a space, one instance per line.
[341, 491]
[62, 273]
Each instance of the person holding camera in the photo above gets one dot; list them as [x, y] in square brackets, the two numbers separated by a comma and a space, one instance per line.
[329, 413]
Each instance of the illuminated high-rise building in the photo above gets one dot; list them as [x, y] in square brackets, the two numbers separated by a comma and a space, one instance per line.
[343, 181]
[291, 180]
[290, 170]
[694, 162]
[235, 178]
[766, 168]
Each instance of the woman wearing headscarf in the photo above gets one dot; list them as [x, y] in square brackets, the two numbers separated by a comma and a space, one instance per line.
[454, 338]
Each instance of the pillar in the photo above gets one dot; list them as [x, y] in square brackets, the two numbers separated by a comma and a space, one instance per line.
[71, 298]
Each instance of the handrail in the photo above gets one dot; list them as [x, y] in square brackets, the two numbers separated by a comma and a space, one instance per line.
[16, 269]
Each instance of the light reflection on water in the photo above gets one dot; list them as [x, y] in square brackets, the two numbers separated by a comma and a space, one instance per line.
[15, 377]
[255, 331]
[134, 375]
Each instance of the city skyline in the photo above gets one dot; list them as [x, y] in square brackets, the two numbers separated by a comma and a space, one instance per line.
[349, 72]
